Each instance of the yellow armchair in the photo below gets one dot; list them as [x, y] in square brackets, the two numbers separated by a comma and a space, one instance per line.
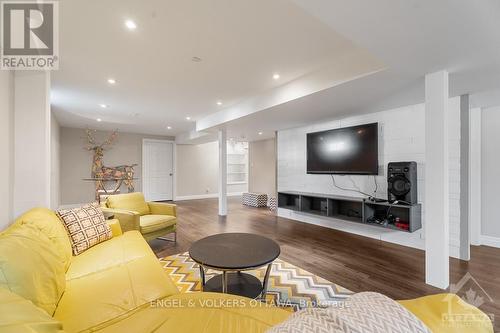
[129, 220]
[158, 208]
[151, 219]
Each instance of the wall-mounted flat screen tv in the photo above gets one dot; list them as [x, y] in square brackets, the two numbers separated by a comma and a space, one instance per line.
[349, 150]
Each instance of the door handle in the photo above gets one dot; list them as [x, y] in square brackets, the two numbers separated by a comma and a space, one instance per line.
[171, 174]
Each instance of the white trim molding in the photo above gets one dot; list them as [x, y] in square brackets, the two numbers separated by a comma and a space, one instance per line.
[490, 241]
[205, 196]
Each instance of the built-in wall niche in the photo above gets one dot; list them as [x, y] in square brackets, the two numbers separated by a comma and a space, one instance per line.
[237, 162]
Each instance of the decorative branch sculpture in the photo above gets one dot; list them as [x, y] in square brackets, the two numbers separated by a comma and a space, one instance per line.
[100, 172]
[98, 149]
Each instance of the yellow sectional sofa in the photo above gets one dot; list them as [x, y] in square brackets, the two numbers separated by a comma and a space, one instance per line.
[448, 313]
[151, 219]
[115, 286]
[120, 286]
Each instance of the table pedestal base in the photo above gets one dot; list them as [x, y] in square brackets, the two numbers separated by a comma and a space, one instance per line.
[238, 283]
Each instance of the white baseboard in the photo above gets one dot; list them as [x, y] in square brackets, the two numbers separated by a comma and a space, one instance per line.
[195, 197]
[490, 241]
[205, 196]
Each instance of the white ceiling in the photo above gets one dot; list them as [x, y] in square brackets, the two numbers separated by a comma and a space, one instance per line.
[243, 42]
[412, 38]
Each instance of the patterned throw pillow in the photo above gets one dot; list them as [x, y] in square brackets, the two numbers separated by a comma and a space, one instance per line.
[86, 226]
[365, 312]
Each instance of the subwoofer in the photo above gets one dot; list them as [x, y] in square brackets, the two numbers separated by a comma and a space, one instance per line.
[402, 182]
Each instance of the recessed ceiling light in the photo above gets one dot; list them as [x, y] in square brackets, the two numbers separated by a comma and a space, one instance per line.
[169, 127]
[99, 120]
[111, 81]
[188, 118]
[104, 106]
[276, 76]
[130, 25]
[260, 133]
[219, 103]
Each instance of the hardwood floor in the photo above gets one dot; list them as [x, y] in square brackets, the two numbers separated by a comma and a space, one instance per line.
[354, 262]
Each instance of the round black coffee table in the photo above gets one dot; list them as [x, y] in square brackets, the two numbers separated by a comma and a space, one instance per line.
[232, 253]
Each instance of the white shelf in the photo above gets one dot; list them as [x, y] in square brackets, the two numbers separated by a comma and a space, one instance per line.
[237, 164]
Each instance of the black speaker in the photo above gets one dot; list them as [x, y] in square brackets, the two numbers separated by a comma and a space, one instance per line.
[402, 182]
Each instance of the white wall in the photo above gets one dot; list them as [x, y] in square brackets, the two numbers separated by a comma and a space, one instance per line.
[401, 138]
[490, 183]
[55, 163]
[31, 140]
[6, 146]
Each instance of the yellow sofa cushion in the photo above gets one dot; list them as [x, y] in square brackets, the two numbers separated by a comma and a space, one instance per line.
[130, 201]
[98, 294]
[447, 313]
[151, 223]
[116, 251]
[30, 267]
[19, 315]
[201, 312]
[47, 222]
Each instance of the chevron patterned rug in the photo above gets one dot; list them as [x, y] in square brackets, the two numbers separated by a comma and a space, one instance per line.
[289, 286]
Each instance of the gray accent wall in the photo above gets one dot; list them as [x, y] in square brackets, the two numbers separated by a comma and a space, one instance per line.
[197, 170]
[464, 177]
[490, 165]
[262, 167]
[76, 161]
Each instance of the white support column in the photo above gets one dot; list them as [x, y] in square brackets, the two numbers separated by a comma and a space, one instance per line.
[437, 270]
[222, 173]
[32, 153]
[6, 146]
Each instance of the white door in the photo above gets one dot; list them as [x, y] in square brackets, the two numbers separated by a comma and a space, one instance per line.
[157, 169]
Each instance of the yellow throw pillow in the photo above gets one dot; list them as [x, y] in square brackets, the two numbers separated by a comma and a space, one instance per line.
[86, 226]
[30, 267]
